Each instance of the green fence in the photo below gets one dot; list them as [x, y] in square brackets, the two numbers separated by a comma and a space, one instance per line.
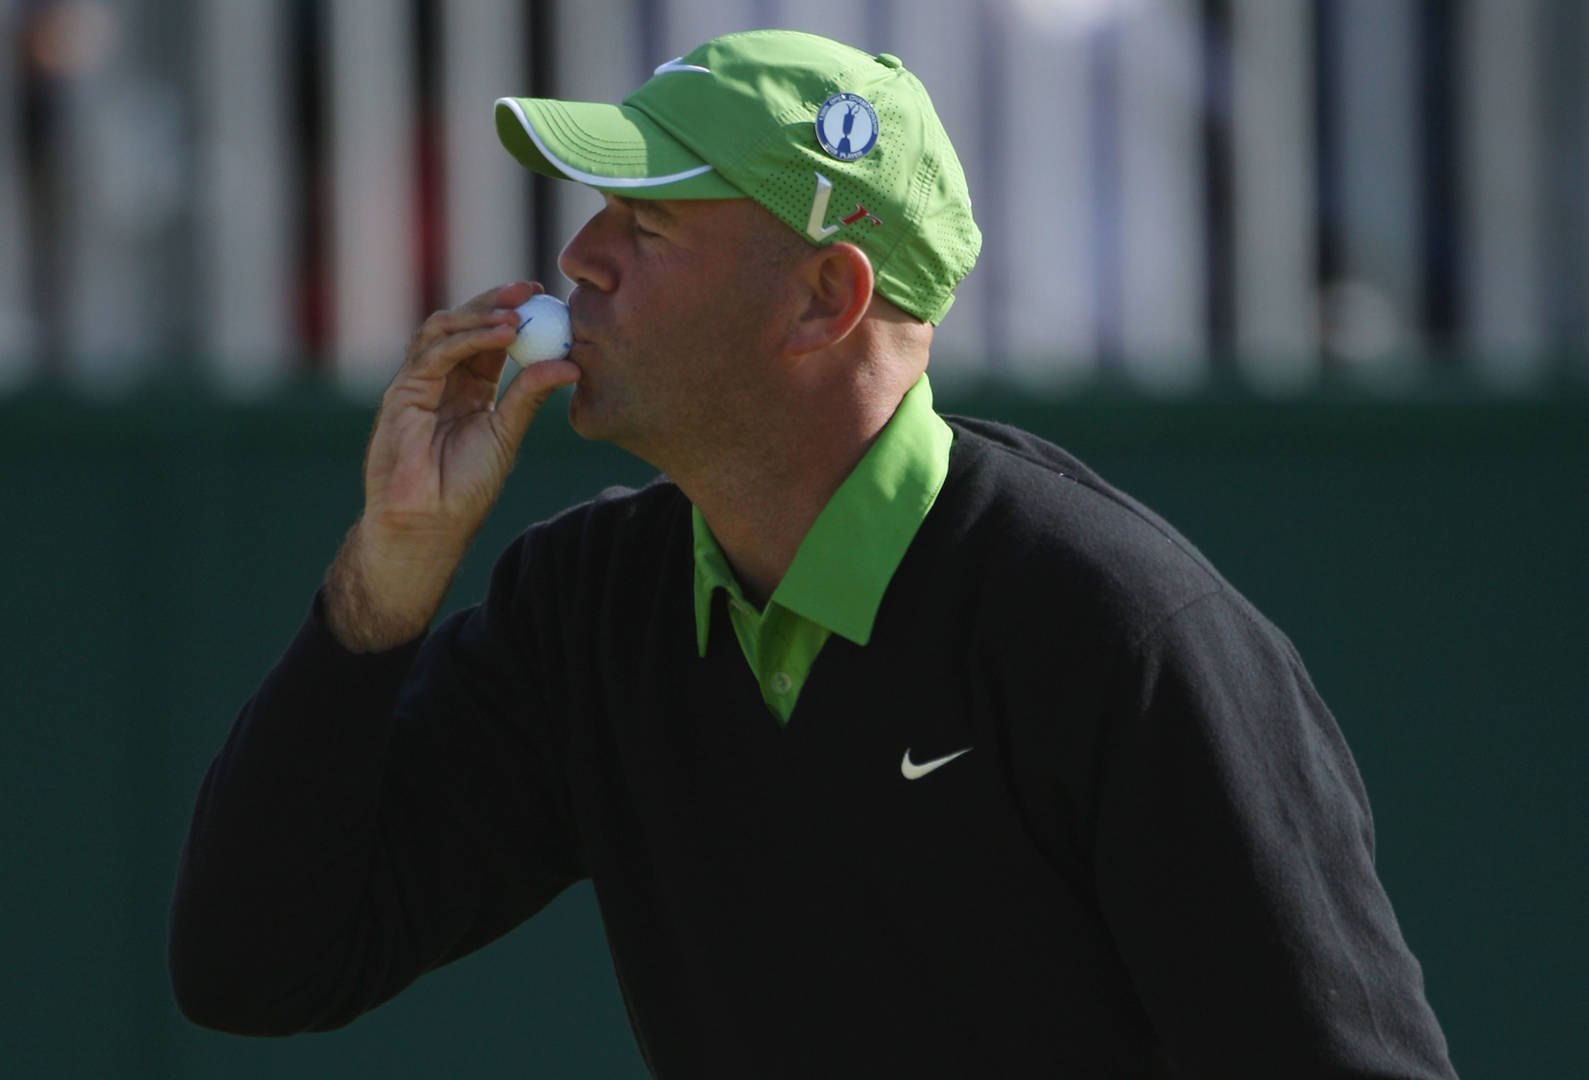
[1427, 558]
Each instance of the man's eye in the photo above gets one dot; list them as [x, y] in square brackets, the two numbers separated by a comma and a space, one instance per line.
[643, 231]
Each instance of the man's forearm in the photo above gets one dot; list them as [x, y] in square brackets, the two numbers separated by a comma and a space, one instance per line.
[277, 857]
[381, 591]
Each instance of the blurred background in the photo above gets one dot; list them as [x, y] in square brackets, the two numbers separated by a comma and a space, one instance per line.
[1310, 277]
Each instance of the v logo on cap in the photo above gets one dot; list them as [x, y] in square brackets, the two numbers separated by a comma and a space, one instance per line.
[815, 228]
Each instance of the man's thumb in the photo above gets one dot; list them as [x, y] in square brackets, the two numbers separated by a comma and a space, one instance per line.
[528, 392]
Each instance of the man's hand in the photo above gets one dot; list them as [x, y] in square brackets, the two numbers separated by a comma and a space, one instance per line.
[440, 452]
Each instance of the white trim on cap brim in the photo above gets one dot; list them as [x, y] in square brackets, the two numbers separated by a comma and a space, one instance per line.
[595, 179]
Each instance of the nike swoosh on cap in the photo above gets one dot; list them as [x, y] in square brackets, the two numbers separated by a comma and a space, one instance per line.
[912, 771]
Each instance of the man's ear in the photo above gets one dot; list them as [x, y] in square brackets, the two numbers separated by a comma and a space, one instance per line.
[838, 282]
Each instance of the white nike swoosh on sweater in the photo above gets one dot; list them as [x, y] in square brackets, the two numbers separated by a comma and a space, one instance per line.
[912, 771]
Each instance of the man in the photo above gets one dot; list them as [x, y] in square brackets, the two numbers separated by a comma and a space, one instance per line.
[892, 746]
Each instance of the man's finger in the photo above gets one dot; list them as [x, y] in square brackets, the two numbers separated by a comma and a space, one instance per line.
[445, 353]
[513, 294]
[493, 305]
[455, 321]
[510, 295]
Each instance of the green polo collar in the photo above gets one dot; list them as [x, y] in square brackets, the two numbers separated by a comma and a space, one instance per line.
[848, 557]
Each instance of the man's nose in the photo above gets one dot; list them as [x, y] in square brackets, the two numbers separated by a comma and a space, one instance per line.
[587, 260]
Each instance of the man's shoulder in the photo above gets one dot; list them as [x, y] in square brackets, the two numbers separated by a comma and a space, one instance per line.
[1010, 445]
[1028, 484]
[1040, 517]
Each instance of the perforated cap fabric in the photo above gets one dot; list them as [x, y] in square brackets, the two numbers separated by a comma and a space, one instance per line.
[837, 143]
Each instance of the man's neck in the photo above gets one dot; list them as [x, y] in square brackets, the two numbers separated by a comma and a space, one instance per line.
[762, 503]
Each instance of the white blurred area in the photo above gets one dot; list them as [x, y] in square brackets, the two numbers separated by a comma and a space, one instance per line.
[244, 193]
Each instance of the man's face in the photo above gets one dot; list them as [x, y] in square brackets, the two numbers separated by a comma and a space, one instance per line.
[678, 312]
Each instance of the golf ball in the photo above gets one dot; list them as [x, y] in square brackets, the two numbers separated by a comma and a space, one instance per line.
[544, 332]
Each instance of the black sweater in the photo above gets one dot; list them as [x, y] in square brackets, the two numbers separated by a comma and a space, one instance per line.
[1156, 859]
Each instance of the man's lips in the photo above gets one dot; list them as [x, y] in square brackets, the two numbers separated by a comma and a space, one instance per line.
[578, 323]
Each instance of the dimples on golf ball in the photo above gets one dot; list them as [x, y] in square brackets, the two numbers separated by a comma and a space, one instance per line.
[544, 332]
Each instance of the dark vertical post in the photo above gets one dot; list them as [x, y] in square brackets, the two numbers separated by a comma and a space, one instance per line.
[543, 241]
[1439, 165]
[1219, 270]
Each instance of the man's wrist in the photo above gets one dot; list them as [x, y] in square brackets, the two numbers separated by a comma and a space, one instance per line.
[375, 599]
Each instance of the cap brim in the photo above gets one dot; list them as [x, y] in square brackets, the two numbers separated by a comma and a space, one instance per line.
[608, 147]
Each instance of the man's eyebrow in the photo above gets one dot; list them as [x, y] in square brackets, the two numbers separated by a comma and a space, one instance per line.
[650, 206]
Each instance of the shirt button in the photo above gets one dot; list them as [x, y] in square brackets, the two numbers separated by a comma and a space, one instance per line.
[781, 683]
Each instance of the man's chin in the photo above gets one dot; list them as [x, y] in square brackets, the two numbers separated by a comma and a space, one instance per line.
[597, 421]
[586, 415]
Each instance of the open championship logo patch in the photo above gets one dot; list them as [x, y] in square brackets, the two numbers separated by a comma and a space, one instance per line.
[847, 126]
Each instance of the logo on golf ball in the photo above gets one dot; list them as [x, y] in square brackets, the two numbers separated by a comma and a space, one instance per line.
[847, 126]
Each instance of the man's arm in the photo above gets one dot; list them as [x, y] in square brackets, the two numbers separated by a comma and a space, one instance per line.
[351, 833]
[440, 452]
[1235, 866]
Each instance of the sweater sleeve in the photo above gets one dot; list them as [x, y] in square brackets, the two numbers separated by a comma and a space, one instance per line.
[1235, 867]
[368, 819]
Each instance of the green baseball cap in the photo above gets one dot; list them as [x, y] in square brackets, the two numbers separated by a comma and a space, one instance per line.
[836, 143]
